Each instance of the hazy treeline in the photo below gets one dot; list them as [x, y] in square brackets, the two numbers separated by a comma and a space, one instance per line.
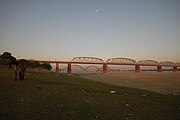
[6, 58]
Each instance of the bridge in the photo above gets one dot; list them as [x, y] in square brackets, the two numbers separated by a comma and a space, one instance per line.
[115, 61]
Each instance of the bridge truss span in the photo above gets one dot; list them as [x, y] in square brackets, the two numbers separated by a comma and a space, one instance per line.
[177, 64]
[167, 63]
[121, 61]
[87, 60]
[148, 63]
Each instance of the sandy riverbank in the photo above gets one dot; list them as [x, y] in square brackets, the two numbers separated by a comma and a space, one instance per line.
[165, 82]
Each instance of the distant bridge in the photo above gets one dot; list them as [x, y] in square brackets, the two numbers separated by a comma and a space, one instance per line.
[86, 69]
[114, 61]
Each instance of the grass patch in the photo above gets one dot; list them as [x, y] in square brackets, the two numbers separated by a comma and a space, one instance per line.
[59, 96]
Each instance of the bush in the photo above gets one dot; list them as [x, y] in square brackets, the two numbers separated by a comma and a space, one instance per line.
[47, 66]
[6, 58]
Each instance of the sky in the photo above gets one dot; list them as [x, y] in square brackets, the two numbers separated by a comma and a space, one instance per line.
[63, 29]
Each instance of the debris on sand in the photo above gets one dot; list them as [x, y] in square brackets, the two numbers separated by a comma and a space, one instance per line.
[127, 105]
[112, 92]
[56, 93]
[87, 101]
[143, 95]
[39, 87]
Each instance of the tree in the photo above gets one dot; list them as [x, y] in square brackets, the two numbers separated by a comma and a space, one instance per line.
[6, 58]
[47, 66]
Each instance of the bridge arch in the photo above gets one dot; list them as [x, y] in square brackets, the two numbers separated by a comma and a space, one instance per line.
[78, 67]
[167, 63]
[122, 61]
[92, 66]
[87, 60]
[65, 68]
[148, 62]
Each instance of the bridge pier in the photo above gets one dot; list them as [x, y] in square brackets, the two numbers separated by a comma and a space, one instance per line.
[57, 67]
[105, 68]
[175, 69]
[159, 68]
[69, 68]
[137, 68]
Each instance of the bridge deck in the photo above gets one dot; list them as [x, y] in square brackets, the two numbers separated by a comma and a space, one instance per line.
[66, 62]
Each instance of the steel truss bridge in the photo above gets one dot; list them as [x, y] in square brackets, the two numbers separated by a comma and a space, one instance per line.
[86, 69]
[114, 61]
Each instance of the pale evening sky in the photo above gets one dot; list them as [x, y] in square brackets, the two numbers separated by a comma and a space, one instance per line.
[63, 29]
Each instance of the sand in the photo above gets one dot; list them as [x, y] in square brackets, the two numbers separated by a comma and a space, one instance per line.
[164, 82]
